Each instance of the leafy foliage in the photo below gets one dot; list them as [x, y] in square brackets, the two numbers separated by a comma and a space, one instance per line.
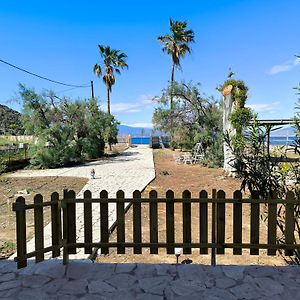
[176, 43]
[10, 121]
[2, 165]
[239, 91]
[194, 118]
[241, 117]
[113, 61]
[270, 177]
[66, 131]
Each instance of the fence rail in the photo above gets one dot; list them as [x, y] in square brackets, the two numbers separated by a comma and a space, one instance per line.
[210, 213]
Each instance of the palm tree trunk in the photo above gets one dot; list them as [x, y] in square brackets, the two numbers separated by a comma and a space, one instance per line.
[108, 101]
[171, 108]
[108, 111]
[172, 81]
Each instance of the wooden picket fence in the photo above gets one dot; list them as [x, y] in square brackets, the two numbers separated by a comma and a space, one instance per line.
[63, 218]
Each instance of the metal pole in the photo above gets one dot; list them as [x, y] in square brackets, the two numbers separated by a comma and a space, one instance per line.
[92, 88]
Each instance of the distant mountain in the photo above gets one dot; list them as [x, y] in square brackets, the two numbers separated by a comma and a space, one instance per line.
[10, 121]
[285, 131]
[137, 131]
[134, 131]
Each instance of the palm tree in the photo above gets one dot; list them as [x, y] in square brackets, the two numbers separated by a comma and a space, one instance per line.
[113, 61]
[176, 44]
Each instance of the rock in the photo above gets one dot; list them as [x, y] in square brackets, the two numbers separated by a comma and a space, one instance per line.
[155, 285]
[35, 281]
[143, 271]
[74, 287]
[7, 277]
[191, 272]
[216, 293]
[186, 287]
[99, 287]
[51, 268]
[125, 268]
[12, 284]
[148, 297]
[89, 271]
[245, 291]
[166, 270]
[32, 294]
[224, 283]
[269, 286]
[261, 271]
[55, 285]
[234, 272]
[121, 281]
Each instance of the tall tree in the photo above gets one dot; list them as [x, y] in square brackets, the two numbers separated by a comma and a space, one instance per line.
[113, 60]
[176, 44]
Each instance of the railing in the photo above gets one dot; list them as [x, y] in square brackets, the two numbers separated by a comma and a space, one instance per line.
[210, 216]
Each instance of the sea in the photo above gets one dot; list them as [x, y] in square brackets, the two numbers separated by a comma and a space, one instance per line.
[141, 140]
[282, 140]
[274, 140]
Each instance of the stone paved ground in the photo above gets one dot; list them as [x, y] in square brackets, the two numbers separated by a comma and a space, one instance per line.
[131, 170]
[82, 280]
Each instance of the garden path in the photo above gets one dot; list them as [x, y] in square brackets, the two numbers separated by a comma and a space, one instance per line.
[132, 170]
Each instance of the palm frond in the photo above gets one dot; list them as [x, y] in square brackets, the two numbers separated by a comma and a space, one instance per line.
[97, 70]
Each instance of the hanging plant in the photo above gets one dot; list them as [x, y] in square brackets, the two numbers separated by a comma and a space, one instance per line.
[239, 91]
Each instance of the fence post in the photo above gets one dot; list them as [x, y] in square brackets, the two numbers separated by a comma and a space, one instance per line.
[203, 221]
[120, 222]
[19, 208]
[65, 228]
[254, 228]
[71, 215]
[104, 234]
[137, 222]
[55, 223]
[38, 227]
[289, 222]
[186, 218]
[220, 222]
[213, 227]
[272, 225]
[87, 216]
[170, 220]
[237, 222]
[153, 221]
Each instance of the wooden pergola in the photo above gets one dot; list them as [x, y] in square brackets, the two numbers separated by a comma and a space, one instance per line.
[268, 124]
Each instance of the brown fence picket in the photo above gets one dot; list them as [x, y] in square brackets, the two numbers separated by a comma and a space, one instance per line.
[55, 223]
[153, 221]
[272, 226]
[289, 222]
[137, 222]
[88, 221]
[170, 220]
[104, 232]
[19, 207]
[254, 225]
[65, 227]
[120, 223]
[203, 221]
[186, 217]
[220, 222]
[71, 219]
[38, 227]
[218, 200]
[237, 222]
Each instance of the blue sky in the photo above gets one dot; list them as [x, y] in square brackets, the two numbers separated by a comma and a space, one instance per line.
[58, 40]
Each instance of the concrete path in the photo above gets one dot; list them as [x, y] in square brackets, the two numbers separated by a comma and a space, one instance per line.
[132, 170]
[79, 280]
